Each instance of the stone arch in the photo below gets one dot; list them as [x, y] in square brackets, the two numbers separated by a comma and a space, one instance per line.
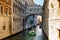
[25, 20]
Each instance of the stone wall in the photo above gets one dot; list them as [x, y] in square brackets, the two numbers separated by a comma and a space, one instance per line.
[19, 7]
[17, 17]
[5, 26]
[45, 17]
[5, 18]
[51, 19]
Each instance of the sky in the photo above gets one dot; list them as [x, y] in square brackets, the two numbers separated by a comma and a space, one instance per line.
[39, 2]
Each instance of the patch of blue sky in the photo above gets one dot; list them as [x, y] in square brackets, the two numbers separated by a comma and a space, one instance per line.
[39, 2]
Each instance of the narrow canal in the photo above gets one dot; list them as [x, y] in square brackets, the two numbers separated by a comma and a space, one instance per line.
[25, 35]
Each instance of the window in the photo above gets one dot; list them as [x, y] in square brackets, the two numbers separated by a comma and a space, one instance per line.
[1, 10]
[7, 10]
[59, 3]
[7, 0]
[59, 34]
[3, 27]
[52, 5]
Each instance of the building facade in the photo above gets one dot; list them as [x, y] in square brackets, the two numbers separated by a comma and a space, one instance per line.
[51, 19]
[12, 13]
[18, 11]
[5, 18]
[19, 7]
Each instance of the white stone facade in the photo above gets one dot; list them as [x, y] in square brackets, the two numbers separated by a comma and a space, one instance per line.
[51, 19]
[19, 7]
[34, 9]
[18, 11]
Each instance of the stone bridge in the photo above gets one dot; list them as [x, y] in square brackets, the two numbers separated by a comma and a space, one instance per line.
[33, 10]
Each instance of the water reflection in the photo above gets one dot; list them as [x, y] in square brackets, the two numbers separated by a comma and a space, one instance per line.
[25, 36]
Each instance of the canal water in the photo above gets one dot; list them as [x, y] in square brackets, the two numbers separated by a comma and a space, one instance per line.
[25, 35]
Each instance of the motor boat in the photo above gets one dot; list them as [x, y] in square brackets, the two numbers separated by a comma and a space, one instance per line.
[32, 33]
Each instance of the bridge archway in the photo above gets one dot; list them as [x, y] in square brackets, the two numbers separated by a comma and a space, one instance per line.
[32, 20]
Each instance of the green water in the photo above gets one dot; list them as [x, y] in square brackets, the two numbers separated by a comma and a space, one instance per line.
[25, 36]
